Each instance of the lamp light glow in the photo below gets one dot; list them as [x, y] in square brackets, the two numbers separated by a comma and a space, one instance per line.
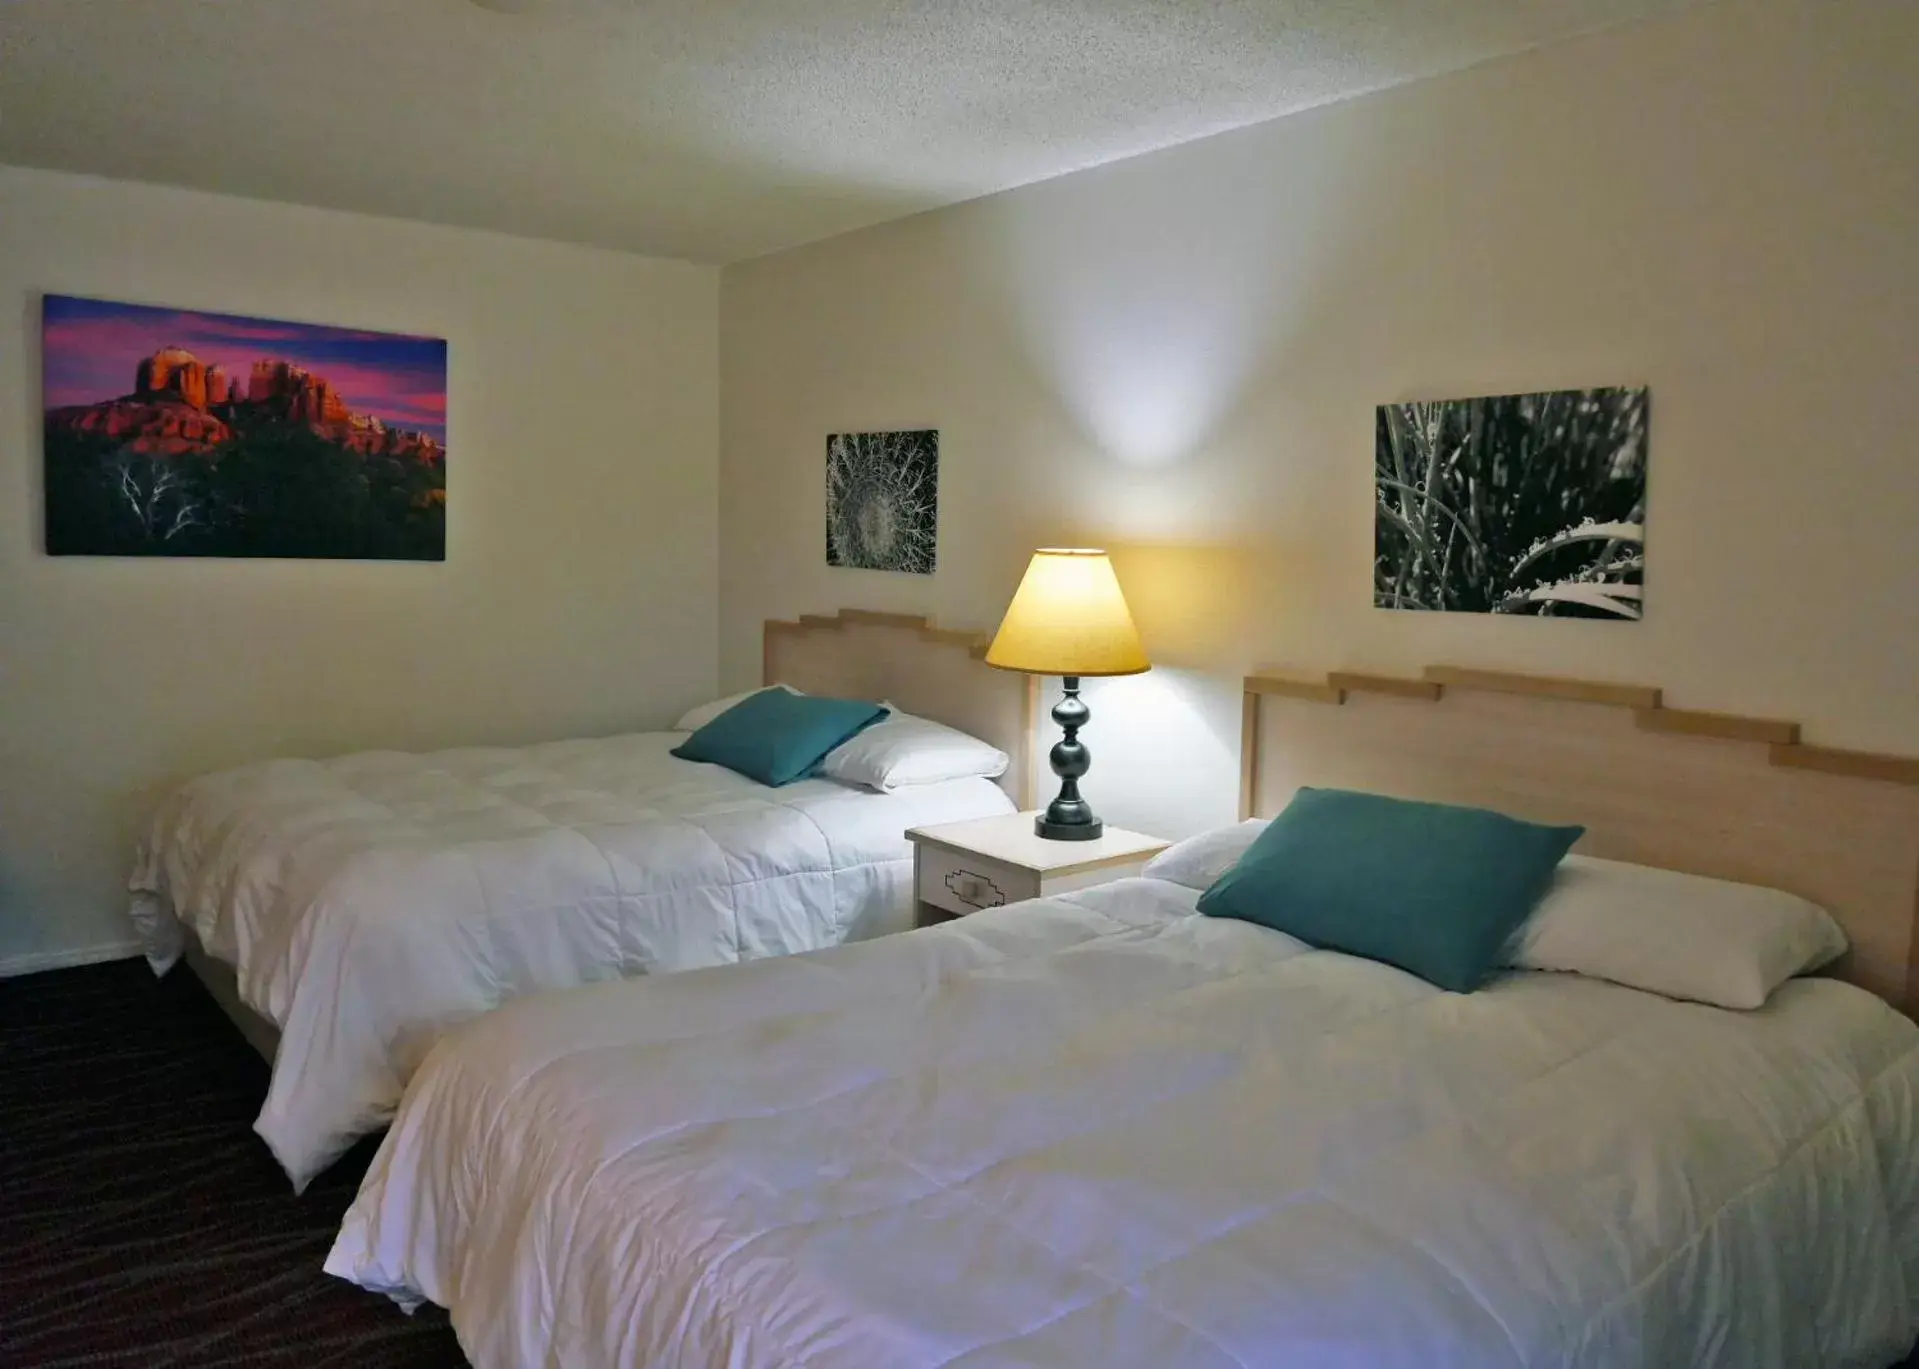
[1068, 617]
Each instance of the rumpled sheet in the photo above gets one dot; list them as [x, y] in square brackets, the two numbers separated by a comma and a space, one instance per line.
[1100, 1130]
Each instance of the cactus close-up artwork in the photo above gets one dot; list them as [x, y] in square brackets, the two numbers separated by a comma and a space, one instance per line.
[882, 500]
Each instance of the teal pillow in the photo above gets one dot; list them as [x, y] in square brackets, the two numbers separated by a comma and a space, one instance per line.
[776, 736]
[1434, 889]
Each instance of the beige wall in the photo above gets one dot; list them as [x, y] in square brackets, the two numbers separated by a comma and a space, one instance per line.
[578, 592]
[1179, 356]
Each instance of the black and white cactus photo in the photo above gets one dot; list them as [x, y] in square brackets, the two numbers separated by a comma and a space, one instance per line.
[1531, 504]
[882, 500]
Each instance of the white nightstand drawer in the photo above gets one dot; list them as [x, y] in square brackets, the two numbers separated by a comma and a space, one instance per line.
[957, 883]
[962, 867]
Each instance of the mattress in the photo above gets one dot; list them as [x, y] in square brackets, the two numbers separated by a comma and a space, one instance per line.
[369, 902]
[1103, 1130]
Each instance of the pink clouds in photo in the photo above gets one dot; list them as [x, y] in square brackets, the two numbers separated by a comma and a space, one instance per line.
[92, 349]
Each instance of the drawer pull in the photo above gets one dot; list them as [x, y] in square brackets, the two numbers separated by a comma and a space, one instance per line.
[975, 890]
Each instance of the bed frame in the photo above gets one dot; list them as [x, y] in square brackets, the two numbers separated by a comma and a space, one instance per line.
[936, 672]
[1708, 793]
[223, 987]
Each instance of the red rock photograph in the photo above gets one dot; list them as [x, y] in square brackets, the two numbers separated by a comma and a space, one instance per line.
[178, 433]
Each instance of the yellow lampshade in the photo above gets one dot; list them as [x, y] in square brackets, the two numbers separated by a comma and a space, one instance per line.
[1068, 618]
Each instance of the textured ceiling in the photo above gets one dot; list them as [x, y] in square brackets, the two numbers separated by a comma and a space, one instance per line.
[709, 129]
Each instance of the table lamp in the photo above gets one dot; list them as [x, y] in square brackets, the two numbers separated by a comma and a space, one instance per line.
[1068, 618]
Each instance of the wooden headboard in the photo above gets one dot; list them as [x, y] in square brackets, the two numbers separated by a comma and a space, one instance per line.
[936, 672]
[1709, 793]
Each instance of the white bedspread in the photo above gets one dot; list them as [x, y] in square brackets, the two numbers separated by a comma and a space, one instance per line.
[370, 902]
[1103, 1131]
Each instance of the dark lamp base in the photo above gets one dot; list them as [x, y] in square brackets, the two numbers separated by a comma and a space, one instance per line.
[1069, 817]
[1068, 831]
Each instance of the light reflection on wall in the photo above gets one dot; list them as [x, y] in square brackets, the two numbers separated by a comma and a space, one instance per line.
[1156, 294]
[1149, 324]
[1161, 743]
[1148, 362]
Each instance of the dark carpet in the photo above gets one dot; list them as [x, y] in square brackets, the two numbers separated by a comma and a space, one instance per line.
[142, 1223]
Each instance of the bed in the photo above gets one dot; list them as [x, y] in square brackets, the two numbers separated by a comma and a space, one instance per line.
[1102, 1129]
[347, 911]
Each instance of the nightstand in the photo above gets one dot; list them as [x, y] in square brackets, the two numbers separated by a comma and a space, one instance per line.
[962, 867]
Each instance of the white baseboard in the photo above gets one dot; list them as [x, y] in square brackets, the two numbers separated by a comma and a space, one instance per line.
[35, 961]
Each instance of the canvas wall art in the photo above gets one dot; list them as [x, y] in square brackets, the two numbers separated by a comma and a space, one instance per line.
[1521, 504]
[882, 500]
[171, 432]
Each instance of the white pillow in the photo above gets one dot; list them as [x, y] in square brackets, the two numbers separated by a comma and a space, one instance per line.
[1682, 936]
[696, 718]
[902, 750]
[1198, 862]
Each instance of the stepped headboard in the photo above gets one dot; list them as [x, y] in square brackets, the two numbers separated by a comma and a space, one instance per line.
[935, 672]
[1714, 794]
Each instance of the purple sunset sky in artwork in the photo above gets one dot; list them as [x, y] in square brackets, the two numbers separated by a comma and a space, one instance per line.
[92, 347]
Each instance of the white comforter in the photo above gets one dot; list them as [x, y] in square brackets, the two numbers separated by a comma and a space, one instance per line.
[1103, 1131]
[370, 902]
